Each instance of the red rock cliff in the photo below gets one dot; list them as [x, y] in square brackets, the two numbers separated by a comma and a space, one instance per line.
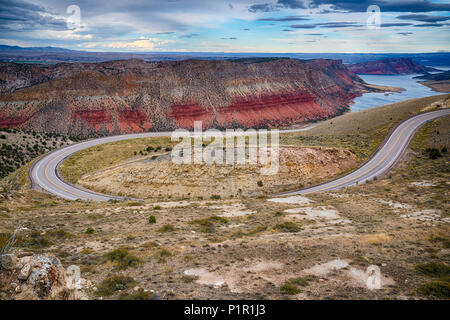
[134, 96]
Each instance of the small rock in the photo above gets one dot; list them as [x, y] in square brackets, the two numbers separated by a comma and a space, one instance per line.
[24, 254]
[8, 261]
[25, 272]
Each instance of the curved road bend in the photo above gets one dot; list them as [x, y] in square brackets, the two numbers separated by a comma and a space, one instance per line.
[383, 159]
[44, 172]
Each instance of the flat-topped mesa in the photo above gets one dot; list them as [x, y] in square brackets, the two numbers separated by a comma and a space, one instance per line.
[390, 67]
[126, 96]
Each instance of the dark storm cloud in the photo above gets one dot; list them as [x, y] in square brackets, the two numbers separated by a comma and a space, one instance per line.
[356, 5]
[287, 18]
[428, 25]
[423, 18]
[303, 26]
[16, 15]
[395, 24]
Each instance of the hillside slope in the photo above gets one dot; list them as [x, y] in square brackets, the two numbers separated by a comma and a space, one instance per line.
[390, 67]
[134, 96]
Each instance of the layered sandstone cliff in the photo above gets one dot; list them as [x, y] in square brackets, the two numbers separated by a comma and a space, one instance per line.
[134, 96]
[390, 67]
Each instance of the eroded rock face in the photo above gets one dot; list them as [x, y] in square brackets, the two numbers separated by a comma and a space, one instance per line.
[39, 277]
[135, 96]
[390, 67]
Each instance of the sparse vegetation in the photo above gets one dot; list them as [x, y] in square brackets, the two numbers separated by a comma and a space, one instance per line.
[435, 289]
[140, 294]
[115, 283]
[122, 259]
[289, 289]
[287, 227]
[434, 269]
[166, 228]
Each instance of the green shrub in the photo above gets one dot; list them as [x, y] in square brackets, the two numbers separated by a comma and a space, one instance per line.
[259, 183]
[436, 289]
[433, 153]
[287, 227]
[40, 241]
[89, 230]
[189, 279]
[152, 219]
[167, 228]
[434, 269]
[215, 197]
[301, 281]
[157, 208]
[289, 289]
[207, 225]
[122, 259]
[137, 295]
[112, 284]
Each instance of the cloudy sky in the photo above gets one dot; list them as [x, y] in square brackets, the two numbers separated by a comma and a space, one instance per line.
[228, 26]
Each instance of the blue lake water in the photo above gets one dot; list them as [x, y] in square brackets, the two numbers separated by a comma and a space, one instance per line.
[412, 90]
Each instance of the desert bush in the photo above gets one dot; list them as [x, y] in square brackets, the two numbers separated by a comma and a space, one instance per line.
[188, 279]
[207, 225]
[122, 259]
[140, 294]
[89, 230]
[167, 228]
[433, 153]
[287, 227]
[152, 219]
[289, 289]
[114, 283]
[436, 289]
[434, 269]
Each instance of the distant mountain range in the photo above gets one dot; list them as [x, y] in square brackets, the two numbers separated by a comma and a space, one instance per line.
[52, 55]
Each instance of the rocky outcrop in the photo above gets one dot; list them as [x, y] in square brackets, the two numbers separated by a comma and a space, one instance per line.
[40, 277]
[390, 67]
[134, 96]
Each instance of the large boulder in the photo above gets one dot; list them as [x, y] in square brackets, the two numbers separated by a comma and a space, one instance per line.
[43, 277]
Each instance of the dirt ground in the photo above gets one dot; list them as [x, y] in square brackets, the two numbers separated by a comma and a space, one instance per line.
[161, 178]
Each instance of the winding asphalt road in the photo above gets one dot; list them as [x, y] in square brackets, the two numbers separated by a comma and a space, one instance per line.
[44, 172]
